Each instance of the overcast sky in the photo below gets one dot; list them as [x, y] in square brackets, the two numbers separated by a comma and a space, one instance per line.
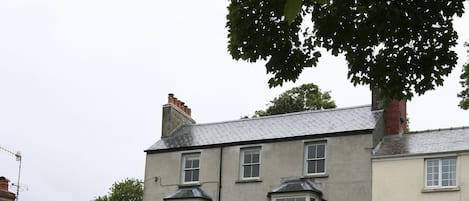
[82, 84]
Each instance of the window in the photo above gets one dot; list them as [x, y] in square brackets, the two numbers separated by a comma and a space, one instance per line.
[190, 168]
[315, 158]
[291, 199]
[250, 162]
[440, 173]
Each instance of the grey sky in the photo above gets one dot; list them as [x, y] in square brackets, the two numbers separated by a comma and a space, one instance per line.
[82, 84]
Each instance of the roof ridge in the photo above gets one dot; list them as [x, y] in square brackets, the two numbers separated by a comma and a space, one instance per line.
[438, 129]
[283, 115]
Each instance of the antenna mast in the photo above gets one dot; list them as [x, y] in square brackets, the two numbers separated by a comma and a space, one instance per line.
[18, 158]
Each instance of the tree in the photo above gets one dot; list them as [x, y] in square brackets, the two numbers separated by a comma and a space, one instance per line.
[464, 103]
[304, 97]
[401, 47]
[126, 190]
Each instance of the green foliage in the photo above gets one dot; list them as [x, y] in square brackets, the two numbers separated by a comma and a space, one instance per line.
[464, 94]
[291, 10]
[126, 190]
[401, 47]
[407, 123]
[304, 97]
[101, 198]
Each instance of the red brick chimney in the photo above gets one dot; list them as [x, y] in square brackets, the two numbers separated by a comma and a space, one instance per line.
[5, 195]
[395, 118]
[395, 114]
[175, 114]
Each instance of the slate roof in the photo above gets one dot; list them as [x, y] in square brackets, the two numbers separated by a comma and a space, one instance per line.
[426, 142]
[188, 193]
[297, 124]
[295, 185]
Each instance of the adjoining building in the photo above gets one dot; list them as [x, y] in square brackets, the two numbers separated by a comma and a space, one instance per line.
[428, 165]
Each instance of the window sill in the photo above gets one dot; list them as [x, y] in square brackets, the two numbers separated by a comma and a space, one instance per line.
[189, 185]
[434, 190]
[248, 181]
[316, 176]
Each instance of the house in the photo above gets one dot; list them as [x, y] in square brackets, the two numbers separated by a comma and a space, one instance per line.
[426, 165]
[310, 155]
[5, 194]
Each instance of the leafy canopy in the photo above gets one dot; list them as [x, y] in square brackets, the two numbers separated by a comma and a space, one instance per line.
[126, 190]
[304, 97]
[464, 103]
[401, 47]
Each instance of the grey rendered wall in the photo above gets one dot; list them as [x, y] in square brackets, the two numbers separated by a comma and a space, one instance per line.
[348, 168]
[166, 167]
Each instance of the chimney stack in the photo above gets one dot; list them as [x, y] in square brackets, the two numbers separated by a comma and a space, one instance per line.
[395, 118]
[175, 114]
[395, 114]
[5, 195]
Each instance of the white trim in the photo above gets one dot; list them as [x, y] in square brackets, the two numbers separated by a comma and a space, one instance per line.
[307, 196]
[305, 157]
[440, 173]
[242, 164]
[184, 157]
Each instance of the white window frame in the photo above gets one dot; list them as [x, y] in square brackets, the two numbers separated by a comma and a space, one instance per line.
[306, 198]
[242, 164]
[440, 173]
[306, 159]
[183, 167]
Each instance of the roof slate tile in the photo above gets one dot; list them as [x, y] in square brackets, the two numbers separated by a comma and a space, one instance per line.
[271, 127]
[426, 142]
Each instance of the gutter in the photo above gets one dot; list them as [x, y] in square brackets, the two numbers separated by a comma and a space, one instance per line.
[420, 155]
[220, 173]
[259, 141]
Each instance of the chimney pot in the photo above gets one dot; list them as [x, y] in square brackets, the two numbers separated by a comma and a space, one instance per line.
[4, 183]
[185, 109]
[175, 101]
[171, 98]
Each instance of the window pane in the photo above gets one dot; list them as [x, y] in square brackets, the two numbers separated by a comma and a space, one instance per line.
[280, 199]
[311, 166]
[187, 176]
[321, 150]
[290, 199]
[445, 162]
[445, 168]
[311, 151]
[195, 163]
[432, 172]
[247, 157]
[300, 199]
[247, 171]
[321, 165]
[195, 175]
[445, 183]
[188, 163]
[429, 182]
[255, 171]
[255, 157]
